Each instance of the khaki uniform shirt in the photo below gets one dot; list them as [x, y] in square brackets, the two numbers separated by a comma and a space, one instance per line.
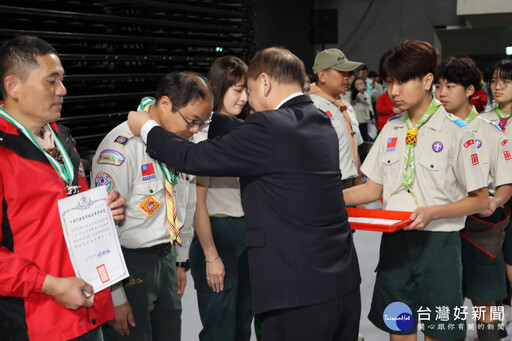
[494, 152]
[447, 166]
[223, 197]
[140, 180]
[347, 166]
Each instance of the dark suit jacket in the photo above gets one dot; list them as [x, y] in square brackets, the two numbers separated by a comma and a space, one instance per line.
[298, 239]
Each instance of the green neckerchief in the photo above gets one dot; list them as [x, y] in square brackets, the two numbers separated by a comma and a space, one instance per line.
[410, 140]
[471, 115]
[66, 170]
[170, 175]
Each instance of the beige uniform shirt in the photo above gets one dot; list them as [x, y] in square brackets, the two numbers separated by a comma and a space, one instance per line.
[494, 152]
[447, 166]
[223, 195]
[126, 167]
[347, 166]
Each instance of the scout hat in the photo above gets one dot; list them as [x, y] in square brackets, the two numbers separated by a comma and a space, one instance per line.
[334, 59]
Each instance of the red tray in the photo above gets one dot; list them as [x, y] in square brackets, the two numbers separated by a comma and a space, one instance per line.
[379, 214]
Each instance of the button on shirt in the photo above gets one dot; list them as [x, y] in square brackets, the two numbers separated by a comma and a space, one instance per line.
[447, 166]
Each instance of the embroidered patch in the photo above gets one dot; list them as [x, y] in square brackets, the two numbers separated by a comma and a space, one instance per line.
[504, 142]
[330, 115]
[121, 140]
[111, 157]
[474, 159]
[81, 170]
[132, 281]
[148, 172]
[103, 179]
[468, 143]
[478, 143]
[150, 205]
[437, 146]
[506, 154]
[391, 145]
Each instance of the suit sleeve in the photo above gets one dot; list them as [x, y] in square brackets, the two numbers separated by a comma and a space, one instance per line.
[246, 151]
[19, 277]
[222, 125]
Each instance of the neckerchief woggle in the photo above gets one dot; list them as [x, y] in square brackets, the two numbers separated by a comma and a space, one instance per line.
[503, 117]
[65, 171]
[410, 140]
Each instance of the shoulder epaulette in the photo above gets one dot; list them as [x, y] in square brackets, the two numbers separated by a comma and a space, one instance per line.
[456, 120]
[495, 125]
[394, 117]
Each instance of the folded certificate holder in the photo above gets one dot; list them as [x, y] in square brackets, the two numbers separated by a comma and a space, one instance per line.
[378, 220]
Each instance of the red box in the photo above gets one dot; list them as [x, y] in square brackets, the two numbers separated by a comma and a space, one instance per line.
[379, 214]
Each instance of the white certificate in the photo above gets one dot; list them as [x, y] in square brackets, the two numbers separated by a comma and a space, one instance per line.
[92, 239]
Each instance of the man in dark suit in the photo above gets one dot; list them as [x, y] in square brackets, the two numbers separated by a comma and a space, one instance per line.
[303, 265]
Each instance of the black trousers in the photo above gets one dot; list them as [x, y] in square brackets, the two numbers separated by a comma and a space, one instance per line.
[336, 320]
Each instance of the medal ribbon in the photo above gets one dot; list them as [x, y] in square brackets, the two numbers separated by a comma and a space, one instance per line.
[66, 171]
[410, 140]
[171, 179]
[471, 115]
[503, 117]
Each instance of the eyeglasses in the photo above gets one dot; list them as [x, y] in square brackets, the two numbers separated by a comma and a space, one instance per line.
[502, 82]
[194, 124]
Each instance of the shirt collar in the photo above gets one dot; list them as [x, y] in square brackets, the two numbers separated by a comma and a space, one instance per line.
[289, 98]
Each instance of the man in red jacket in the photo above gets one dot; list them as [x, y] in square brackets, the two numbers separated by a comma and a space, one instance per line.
[40, 296]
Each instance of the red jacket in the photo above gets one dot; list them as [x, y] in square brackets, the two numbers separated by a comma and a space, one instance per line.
[384, 107]
[32, 244]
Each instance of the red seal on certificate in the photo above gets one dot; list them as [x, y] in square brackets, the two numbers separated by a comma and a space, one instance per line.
[102, 271]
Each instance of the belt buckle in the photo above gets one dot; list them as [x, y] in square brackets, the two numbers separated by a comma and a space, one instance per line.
[165, 249]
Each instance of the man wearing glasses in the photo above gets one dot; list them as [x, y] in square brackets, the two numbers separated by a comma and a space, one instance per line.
[157, 231]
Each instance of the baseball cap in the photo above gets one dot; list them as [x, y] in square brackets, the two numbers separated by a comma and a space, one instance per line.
[334, 59]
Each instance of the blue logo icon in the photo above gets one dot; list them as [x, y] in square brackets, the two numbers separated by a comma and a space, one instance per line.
[398, 317]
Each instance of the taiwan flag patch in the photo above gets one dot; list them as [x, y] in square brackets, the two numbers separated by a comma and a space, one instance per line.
[148, 172]
[391, 145]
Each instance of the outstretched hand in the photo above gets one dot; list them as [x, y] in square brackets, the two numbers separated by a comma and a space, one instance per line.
[136, 120]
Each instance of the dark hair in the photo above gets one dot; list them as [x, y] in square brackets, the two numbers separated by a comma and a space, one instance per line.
[363, 67]
[407, 60]
[353, 94]
[18, 56]
[504, 68]
[183, 87]
[461, 71]
[280, 64]
[225, 72]
[372, 74]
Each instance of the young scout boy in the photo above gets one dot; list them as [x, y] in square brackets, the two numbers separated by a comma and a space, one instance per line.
[484, 280]
[422, 161]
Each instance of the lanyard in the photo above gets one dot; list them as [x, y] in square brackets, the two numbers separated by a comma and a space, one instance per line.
[66, 170]
[170, 175]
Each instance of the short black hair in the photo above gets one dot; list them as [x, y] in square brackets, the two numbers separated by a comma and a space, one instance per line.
[18, 56]
[183, 87]
[461, 71]
[504, 69]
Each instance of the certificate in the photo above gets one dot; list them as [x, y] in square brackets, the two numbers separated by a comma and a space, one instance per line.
[92, 239]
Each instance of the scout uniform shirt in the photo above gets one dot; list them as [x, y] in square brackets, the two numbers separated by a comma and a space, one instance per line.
[493, 151]
[491, 115]
[122, 164]
[447, 166]
[347, 166]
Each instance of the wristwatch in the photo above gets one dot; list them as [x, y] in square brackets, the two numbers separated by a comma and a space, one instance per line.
[185, 265]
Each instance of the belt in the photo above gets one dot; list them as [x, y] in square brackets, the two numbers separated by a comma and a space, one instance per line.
[159, 249]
